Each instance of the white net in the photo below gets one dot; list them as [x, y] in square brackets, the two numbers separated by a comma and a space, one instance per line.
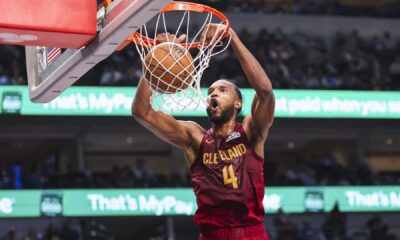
[176, 86]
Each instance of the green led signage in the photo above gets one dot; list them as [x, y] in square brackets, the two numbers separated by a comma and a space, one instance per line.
[116, 101]
[181, 201]
[11, 102]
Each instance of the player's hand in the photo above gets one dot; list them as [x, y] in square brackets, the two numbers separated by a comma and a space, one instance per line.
[168, 37]
[212, 32]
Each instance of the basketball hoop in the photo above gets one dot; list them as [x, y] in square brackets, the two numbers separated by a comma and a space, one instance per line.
[191, 19]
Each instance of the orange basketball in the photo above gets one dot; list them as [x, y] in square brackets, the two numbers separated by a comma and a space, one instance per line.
[169, 68]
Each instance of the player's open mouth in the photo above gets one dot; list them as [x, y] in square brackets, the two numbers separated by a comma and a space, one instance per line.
[214, 104]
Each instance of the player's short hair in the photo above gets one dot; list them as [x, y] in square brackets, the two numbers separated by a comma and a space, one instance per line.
[240, 96]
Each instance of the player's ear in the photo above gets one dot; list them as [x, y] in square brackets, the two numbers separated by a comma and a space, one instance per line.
[238, 104]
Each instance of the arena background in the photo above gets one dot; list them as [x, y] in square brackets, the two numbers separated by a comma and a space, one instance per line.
[81, 168]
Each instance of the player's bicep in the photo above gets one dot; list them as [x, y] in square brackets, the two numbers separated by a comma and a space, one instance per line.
[167, 128]
[262, 114]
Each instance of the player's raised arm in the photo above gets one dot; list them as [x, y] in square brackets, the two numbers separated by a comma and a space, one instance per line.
[166, 127]
[263, 106]
[186, 135]
[177, 133]
[262, 110]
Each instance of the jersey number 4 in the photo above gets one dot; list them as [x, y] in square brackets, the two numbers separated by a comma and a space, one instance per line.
[229, 176]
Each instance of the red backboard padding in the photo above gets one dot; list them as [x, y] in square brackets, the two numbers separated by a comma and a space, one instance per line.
[54, 23]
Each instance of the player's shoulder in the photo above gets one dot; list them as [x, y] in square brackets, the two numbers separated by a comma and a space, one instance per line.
[196, 134]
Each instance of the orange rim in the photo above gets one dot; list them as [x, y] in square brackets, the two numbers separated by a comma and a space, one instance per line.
[183, 6]
[106, 3]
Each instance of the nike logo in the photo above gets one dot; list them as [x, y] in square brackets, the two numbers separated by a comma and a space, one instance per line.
[209, 140]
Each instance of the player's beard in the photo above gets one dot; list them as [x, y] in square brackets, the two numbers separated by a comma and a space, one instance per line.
[224, 117]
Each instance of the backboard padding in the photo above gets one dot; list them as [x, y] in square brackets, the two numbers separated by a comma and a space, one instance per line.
[123, 17]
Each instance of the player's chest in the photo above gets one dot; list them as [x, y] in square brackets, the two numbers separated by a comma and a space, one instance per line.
[218, 152]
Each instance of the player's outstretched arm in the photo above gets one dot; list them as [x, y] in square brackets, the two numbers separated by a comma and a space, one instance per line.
[262, 110]
[263, 106]
[182, 134]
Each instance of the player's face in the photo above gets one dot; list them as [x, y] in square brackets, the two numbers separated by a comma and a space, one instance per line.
[221, 101]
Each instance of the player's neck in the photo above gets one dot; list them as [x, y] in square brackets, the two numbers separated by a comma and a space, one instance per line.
[224, 129]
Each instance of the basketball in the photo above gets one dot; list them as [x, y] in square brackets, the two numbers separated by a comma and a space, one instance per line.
[169, 68]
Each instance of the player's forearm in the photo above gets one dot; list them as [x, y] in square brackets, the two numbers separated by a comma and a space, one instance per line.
[253, 70]
[141, 105]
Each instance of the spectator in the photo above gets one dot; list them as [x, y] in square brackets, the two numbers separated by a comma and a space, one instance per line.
[95, 231]
[125, 178]
[17, 73]
[376, 228]
[35, 179]
[111, 76]
[6, 180]
[122, 176]
[68, 232]
[132, 74]
[334, 226]
[11, 234]
[307, 232]
[394, 71]
[388, 42]
[140, 174]
[52, 233]
[312, 79]
[32, 235]
[159, 233]
[285, 227]
[4, 79]
[176, 180]
[307, 176]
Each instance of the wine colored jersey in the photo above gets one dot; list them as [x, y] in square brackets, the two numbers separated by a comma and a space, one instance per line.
[228, 182]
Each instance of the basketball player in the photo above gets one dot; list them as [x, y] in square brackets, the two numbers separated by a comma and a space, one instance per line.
[226, 161]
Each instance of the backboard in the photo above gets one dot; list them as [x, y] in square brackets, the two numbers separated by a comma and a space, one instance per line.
[115, 23]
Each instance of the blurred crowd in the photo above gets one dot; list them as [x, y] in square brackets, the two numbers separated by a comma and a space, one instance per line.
[300, 61]
[69, 229]
[12, 65]
[325, 171]
[43, 176]
[293, 61]
[379, 8]
[319, 171]
[334, 227]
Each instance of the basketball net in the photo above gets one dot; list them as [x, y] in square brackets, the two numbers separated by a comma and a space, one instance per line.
[188, 96]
